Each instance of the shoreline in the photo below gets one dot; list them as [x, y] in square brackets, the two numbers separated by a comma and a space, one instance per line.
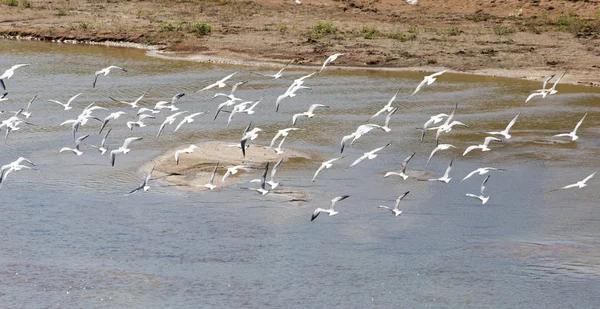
[158, 51]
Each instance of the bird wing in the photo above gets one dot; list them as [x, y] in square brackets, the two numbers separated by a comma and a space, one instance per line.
[579, 123]
[469, 149]
[588, 177]
[129, 140]
[162, 126]
[400, 198]
[405, 162]
[214, 172]
[512, 123]
[78, 141]
[447, 173]
[274, 170]
[317, 172]
[421, 84]
[470, 174]
[483, 184]
[263, 177]
[179, 125]
[337, 199]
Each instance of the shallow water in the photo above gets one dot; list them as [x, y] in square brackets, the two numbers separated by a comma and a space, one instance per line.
[70, 238]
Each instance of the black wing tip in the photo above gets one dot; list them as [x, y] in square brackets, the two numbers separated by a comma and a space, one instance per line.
[313, 217]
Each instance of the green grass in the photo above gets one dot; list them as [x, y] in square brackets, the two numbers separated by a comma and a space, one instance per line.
[369, 33]
[402, 37]
[453, 31]
[201, 29]
[323, 28]
[503, 30]
[85, 25]
[165, 26]
[11, 2]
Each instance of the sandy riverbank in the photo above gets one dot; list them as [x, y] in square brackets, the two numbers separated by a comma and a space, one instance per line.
[512, 38]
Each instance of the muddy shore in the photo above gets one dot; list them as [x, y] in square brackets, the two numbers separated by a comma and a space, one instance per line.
[513, 39]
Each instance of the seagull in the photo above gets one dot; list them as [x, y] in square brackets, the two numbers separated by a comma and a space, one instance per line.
[331, 211]
[263, 188]
[231, 95]
[481, 197]
[210, 185]
[101, 148]
[329, 60]
[13, 166]
[386, 108]
[185, 150]
[364, 129]
[105, 72]
[144, 184]
[252, 135]
[9, 73]
[429, 79]
[169, 105]
[580, 184]
[395, 210]
[244, 107]
[220, 83]
[439, 147]
[272, 183]
[327, 164]
[169, 120]
[309, 113]
[26, 112]
[446, 178]
[369, 155]
[76, 150]
[145, 109]
[345, 139]
[291, 91]
[187, 119]
[278, 74]
[134, 103]
[123, 149]
[482, 171]
[226, 103]
[386, 127]
[484, 146]
[110, 117]
[432, 120]
[505, 131]
[139, 123]
[232, 171]
[67, 105]
[282, 132]
[573, 133]
[403, 172]
[544, 92]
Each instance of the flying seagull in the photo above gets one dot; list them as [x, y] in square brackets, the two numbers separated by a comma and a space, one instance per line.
[331, 211]
[210, 185]
[263, 188]
[190, 149]
[123, 149]
[232, 171]
[310, 113]
[446, 178]
[580, 184]
[403, 171]
[76, 149]
[329, 60]
[439, 147]
[139, 123]
[386, 108]
[102, 148]
[9, 73]
[573, 134]
[220, 83]
[133, 104]
[327, 164]
[105, 72]
[482, 171]
[187, 119]
[252, 135]
[369, 155]
[481, 197]
[395, 210]
[508, 127]
[484, 146]
[432, 120]
[67, 106]
[110, 117]
[144, 186]
[276, 75]
[169, 121]
[429, 79]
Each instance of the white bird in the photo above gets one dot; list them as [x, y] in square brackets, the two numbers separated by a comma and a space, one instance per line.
[110, 117]
[229, 102]
[331, 211]
[252, 135]
[439, 147]
[271, 182]
[310, 113]
[364, 129]
[508, 127]
[123, 149]
[429, 79]
[133, 104]
[26, 112]
[484, 146]
[139, 123]
[282, 132]
[145, 109]
[144, 186]
[386, 124]
[169, 120]
[67, 105]
[573, 134]
[244, 107]
[482, 171]
[481, 197]
[232, 171]
[187, 119]
[329, 60]
[432, 120]
[105, 72]
[369, 155]
[210, 185]
[190, 149]
[75, 150]
[395, 210]
[9, 73]
[220, 83]
[403, 171]
[298, 2]
[386, 108]
[345, 139]
[231, 95]
[446, 178]
[291, 91]
[580, 184]
[327, 164]
[102, 148]
[263, 188]
[545, 92]
[278, 74]
[411, 2]
[170, 105]
[13, 166]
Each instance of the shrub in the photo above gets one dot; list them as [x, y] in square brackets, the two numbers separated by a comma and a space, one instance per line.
[165, 26]
[402, 37]
[323, 28]
[85, 25]
[11, 2]
[201, 29]
[282, 28]
[369, 32]
[453, 30]
[503, 30]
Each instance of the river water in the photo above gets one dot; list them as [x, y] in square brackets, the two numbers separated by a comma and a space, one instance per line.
[70, 238]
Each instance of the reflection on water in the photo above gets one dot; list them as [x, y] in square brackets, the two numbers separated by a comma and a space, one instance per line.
[72, 239]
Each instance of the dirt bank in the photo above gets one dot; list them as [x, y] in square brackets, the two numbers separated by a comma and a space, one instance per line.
[525, 39]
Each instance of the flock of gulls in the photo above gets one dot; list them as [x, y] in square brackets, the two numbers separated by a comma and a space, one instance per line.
[233, 105]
